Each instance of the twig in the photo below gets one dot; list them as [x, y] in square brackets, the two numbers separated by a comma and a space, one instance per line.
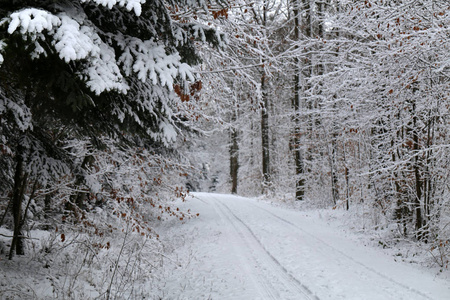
[6, 211]
[117, 262]
[20, 236]
[29, 202]
[227, 70]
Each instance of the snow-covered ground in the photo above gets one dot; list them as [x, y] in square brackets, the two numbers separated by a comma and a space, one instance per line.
[237, 248]
[240, 248]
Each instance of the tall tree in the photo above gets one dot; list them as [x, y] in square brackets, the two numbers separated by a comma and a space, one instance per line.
[296, 102]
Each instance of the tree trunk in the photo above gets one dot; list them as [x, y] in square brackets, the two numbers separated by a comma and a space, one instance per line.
[401, 210]
[427, 180]
[265, 137]
[298, 158]
[347, 178]
[334, 178]
[234, 158]
[417, 176]
[265, 121]
[20, 183]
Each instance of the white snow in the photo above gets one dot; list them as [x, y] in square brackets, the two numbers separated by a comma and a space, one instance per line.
[73, 41]
[168, 132]
[237, 248]
[103, 72]
[149, 60]
[240, 248]
[135, 5]
[32, 20]
[2, 46]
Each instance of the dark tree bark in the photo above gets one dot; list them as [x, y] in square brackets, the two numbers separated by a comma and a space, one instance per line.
[234, 157]
[417, 176]
[234, 161]
[333, 173]
[265, 136]
[20, 183]
[265, 121]
[299, 170]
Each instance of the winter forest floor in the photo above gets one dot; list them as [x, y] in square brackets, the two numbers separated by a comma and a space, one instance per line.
[237, 248]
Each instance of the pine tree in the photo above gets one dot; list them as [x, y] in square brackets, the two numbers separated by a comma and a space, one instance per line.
[83, 70]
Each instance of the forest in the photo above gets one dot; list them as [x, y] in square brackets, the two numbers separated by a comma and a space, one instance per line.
[112, 111]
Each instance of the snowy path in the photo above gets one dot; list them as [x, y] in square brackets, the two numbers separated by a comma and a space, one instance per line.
[243, 249]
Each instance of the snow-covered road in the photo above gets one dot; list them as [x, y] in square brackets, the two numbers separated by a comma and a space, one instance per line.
[239, 248]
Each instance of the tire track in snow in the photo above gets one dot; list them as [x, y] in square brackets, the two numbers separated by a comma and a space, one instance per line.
[267, 289]
[389, 279]
[292, 284]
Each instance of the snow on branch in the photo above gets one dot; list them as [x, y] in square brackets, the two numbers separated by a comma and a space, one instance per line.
[2, 46]
[149, 60]
[104, 73]
[135, 5]
[32, 21]
[72, 41]
[20, 112]
[75, 42]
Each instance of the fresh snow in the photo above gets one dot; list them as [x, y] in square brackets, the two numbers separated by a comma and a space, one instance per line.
[241, 248]
[237, 248]
[32, 21]
[135, 5]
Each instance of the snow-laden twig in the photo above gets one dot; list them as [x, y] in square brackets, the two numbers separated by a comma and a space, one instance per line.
[108, 295]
